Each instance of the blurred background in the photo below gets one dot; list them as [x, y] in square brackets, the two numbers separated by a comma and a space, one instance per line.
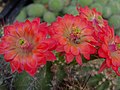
[48, 10]
[58, 76]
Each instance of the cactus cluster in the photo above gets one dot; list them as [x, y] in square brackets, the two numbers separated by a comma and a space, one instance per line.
[69, 77]
[86, 77]
[47, 10]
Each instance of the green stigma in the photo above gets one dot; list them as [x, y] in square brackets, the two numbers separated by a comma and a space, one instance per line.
[76, 30]
[118, 46]
[99, 17]
[21, 41]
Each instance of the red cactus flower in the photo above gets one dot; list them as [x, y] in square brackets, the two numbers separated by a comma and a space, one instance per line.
[25, 46]
[92, 15]
[97, 21]
[73, 34]
[110, 50]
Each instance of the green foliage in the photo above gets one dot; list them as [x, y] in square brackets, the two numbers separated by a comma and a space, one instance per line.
[56, 5]
[35, 10]
[49, 17]
[70, 10]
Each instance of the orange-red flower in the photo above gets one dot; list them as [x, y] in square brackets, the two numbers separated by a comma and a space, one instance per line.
[25, 46]
[74, 37]
[92, 15]
[110, 50]
[97, 21]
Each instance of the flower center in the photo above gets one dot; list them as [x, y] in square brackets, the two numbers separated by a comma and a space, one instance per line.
[21, 41]
[100, 18]
[25, 46]
[75, 35]
[118, 46]
[91, 17]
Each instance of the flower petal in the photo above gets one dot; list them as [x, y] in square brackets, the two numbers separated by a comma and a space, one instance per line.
[60, 48]
[10, 55]
[42, 47]
[41, 61]
[50, 56]
[31, 61]
[33, 71]
[102, 53]
[63, 41]
[86, 55]
[87, 48]
[15, 64]
[74, 50]
[69, 57]
[79, 59]
[67, 48]
[102, 67]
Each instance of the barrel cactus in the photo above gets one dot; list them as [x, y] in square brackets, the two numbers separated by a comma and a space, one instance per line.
[55, 5]
[35, 10]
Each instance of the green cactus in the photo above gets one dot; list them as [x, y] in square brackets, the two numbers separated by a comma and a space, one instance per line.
[103, 2]
[85, 2]
[22, 15]
[73, 2]
[49, 17]
[70, 10]
[107, 12]
[67, 2]
[98, 7]
[36, 1]
[22, 81]
[103, 85]
[117, 32]
[42, 80]
[35, 10]
[44, 77]
[55, 5]
[44, 1]
[41, 1]
[115, 21]
[115, 6]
